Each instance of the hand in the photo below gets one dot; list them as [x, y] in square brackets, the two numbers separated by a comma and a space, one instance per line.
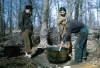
[62, 43]
[58, 31]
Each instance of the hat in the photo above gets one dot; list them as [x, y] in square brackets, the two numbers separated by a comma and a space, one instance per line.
[60, 19]
[29, 7]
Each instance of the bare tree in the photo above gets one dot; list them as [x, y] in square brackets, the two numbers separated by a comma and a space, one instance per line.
[98, 11]
[44, 20]
[0, 18]
[80, 15]
[18, 10]
[20, 5]
[70, 7]
[77, 9]
[37, 12]
[10, 16]
[2, 21]
[30, 2]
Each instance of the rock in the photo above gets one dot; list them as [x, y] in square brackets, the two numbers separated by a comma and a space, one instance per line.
[91, 45]
[14, 39]
[16, 31]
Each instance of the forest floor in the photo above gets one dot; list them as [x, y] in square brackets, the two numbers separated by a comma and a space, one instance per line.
[40, 61]
[39, 58]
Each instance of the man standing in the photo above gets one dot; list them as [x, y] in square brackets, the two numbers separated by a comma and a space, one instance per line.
[62, 14]
[74, 26]
[25, 24]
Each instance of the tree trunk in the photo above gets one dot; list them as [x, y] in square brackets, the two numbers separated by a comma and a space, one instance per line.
[0, 18]
[30, 2]
[10, 16]
[70, 8]
[7, 27]
[38, 14]
[77, 9]
[2, 24]
[18, 10]
[44, 31]
[20, 5]
[81, 3]
[98, 20]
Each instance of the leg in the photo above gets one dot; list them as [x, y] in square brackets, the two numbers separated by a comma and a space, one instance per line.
[84, 50]
[32, 38]
[80, 44]
[79, 48]
[26, 38]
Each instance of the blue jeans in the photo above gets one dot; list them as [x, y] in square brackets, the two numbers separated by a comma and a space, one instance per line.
[81, 43]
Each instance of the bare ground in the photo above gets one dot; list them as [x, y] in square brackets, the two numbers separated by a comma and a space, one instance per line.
[93, 58]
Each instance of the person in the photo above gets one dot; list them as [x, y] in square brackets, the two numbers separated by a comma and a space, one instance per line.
[62, 29]
[74, 26]
[62, 14]
[25, 24]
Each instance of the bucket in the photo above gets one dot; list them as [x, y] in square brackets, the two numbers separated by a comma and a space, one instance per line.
[56, 56]
[66, 67]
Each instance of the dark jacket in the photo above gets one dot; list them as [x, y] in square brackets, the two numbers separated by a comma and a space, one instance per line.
[25, 22]
[72, 26]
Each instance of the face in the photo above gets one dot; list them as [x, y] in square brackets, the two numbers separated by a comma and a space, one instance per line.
[62, 13]
[63, 23]
[28, 11]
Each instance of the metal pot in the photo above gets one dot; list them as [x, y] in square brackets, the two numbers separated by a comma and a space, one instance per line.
[56, 56]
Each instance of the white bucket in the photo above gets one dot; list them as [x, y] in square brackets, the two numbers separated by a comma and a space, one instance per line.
[66, 67]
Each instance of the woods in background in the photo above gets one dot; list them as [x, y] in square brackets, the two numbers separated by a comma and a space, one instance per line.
[86, 11]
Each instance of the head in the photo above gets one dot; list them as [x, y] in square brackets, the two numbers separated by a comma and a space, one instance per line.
[28, 9]
[62, 11]
[63, 22]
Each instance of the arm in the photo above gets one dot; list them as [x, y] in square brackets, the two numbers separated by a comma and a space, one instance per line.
[69, 42]
[63, 32]
[58, 27]
[20, 22]
[67, 36]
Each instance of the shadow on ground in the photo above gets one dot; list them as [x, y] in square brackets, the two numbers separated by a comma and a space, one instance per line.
[38, 52]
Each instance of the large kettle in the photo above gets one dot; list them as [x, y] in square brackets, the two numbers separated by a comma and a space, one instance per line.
[56, 54]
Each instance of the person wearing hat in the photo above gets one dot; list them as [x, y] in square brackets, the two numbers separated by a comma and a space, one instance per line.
[74, 26]
[62, 29]
[25, 24]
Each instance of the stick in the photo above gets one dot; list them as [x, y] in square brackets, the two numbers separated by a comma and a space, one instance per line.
[60, 48]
